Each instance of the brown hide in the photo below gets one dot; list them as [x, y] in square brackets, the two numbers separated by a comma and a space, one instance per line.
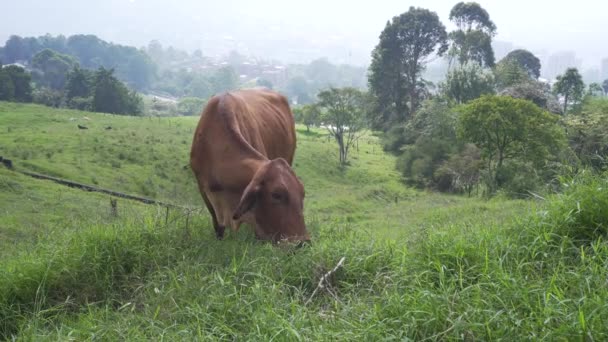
[241, 156]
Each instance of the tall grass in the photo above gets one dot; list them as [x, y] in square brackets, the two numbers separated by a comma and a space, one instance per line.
[536, 279]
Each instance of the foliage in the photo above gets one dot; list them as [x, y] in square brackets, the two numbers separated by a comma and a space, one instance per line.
[190, 106]
[461, 172]
[534, 91]
[425, 143]
[526, 60]
[54, 67]
[595, 89]
[343, 113]
[17, 84]
[406, 44]
[570, 85]
[605, 87]
[509, 73]
[298, 90]
[588, 133]
[79, 84]
[506, 128]
[112, 96]
[467, 83]
[309, 115]
[224, 79]
[48, 97]
[472, 41]
[132, 65]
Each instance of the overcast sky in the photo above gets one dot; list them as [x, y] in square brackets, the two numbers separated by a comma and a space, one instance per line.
[335, 25]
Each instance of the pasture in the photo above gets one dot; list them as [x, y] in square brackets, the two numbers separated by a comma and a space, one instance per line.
[418, 265]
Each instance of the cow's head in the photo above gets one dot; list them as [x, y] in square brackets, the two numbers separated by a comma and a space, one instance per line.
[275, 196]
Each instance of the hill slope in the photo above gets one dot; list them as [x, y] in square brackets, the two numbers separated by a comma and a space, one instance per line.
[417, 265]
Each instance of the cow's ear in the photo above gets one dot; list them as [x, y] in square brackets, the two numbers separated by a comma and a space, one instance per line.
[247, 202]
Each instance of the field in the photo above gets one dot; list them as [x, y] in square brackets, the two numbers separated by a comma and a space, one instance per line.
[418, 265]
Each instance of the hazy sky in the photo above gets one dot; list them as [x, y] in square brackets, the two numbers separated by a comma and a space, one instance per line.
[345, 28]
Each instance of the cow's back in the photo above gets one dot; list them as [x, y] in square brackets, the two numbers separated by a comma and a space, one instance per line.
[243, 124]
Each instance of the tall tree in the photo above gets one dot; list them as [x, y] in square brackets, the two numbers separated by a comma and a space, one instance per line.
[406, 44]
[467, 83]
[7, 89]
[343, 111]
[570, 85]
[112, 96]
[472, 40]
[526, 60]
[605, 86]
[54, 66]
[505, 128]
[21, 81]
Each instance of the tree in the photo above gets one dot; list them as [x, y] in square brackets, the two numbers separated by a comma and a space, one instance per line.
[605, 86]
[508, 73]
[309, 115]
[468, 82]
[224, 79]
[406, 44]
[588, 133]
[472, 41]
[507, 128]
[526, 60]
[190, 106]
[21, 81]
[595, 89]
[534, 91]
[112, 96]
[343, 113]
[570, 85]
[79, 83]
[54, 66]
[7, 89]
[298, 90]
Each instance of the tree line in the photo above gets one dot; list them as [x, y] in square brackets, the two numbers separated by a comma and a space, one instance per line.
[490, 125]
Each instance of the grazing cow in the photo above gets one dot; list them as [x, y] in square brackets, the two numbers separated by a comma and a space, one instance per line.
[82, 127]
[241, 156]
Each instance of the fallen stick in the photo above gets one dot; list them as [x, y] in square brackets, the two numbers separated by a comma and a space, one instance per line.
[324, 279]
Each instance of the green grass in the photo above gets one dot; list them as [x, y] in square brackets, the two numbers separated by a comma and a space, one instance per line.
[419, 266]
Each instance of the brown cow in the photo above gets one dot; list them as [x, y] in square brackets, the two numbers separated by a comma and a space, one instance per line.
[241, 156]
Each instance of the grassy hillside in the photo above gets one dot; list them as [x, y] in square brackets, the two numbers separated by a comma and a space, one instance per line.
[418, 265]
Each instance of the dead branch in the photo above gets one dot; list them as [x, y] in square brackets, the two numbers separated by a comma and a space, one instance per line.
[324, 279]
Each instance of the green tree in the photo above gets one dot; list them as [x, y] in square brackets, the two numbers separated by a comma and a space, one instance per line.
[508, 73]
[570, 85]
[605, 86]
[224, 79]
[298, 90]
[343, 113]
[111, 96]
[526, 60]
[190, 106]
[406, 44]
[79, 83]
[534, 91]
[506, 128]
[588, 133]
[595, 89]
[472, 40]
[54, 66]
[21, 81]
[309, 115]
[468, 82]
[7, 89]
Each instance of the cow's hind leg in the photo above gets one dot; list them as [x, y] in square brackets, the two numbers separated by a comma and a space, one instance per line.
[219, 229]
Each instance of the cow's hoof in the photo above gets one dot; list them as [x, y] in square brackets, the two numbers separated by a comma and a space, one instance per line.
[219, 232]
